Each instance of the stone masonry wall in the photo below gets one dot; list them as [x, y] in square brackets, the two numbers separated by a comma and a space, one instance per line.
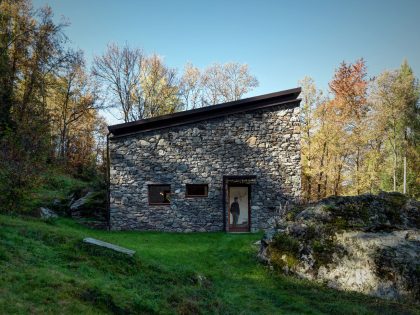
[264, 142]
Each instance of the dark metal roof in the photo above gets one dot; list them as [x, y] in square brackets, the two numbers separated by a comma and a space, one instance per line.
[285, 97]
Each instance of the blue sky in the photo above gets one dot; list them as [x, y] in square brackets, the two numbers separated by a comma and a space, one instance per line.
[281, 41]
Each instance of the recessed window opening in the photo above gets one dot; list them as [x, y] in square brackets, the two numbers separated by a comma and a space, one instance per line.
[197, 190]
[159, 194]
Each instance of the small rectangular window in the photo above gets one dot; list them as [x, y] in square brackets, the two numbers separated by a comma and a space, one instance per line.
[159, 194]
[197, 190]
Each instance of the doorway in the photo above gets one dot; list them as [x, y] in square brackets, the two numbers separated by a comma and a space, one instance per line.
[238, 204]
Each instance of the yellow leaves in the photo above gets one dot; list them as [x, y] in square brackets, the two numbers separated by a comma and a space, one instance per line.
[356, 141]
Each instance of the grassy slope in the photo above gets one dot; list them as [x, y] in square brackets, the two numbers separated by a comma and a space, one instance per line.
[53, 185]
[44, 268]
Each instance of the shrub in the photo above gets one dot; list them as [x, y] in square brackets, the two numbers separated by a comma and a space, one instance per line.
[21, 161]
[284, 251]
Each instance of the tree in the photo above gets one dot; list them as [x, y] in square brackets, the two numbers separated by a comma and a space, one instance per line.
[330, 150]
[227, 82]
[311, 99]
[82, 148]
[73, 98]
[349, 87]
[142, 86]
[31, 50]
[158, 91]
[237, 81]
[191, 88]
[374, 161]
[365, 138]
[119, 71]
[389, 115]
[334, 139]
[216, 84]
[395, 98]
[408, 93]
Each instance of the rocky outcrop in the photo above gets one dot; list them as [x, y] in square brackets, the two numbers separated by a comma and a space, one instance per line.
[46, 213]
[366, 243]
[89, 208]
[87, 203]
[81, 202]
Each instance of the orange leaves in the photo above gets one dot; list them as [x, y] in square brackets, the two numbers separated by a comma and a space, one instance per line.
[349, 86]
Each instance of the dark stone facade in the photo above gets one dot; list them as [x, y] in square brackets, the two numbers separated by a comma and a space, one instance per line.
[263, 142]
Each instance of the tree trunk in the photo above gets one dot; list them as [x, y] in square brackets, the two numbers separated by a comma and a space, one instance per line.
[337, 182]
[405, 160]
[63, 141]
[395, 171]
[309, 188]
[405, 175]
[325, 186]
[357, 171]
[321, 172]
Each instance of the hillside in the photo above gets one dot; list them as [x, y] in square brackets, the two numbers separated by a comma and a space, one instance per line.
[44, 268]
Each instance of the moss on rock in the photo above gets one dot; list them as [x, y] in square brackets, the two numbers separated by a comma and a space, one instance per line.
[365, 243]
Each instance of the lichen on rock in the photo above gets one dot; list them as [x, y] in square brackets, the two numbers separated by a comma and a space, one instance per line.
[367, 243]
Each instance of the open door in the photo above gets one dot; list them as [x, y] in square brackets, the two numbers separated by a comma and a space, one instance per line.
[239, 207]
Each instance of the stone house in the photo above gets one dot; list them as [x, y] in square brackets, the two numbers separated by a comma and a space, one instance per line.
[227, 167]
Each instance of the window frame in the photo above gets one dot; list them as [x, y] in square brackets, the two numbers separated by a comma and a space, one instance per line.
[158, 203]
[196, 196]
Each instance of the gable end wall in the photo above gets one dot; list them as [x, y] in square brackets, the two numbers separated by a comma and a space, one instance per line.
[264, 142]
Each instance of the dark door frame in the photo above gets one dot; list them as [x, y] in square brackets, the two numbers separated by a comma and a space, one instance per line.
[240, 229]
[236, 180]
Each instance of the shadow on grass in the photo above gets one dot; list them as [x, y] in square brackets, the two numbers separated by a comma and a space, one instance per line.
[45, 268]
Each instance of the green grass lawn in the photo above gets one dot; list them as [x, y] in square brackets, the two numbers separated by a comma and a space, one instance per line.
[45, 268]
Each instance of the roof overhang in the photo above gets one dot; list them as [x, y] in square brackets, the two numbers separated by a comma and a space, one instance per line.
[286, 97]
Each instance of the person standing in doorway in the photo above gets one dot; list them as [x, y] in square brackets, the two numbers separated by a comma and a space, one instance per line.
[234, 209]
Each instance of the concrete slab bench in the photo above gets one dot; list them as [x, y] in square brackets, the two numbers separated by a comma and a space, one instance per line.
[116, 248]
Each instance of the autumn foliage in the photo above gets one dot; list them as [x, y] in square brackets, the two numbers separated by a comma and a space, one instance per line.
[359, 137]
[362, 135]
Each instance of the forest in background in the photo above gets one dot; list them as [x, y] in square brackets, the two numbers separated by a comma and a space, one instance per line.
[359, 136]
[362, 135]
[51, 104]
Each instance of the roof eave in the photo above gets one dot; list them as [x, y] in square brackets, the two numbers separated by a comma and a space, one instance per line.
[213, 111]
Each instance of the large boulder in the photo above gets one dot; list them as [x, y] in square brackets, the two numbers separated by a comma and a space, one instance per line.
[46, 213]
[90, 204]
[77, 204]
[367, 243]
